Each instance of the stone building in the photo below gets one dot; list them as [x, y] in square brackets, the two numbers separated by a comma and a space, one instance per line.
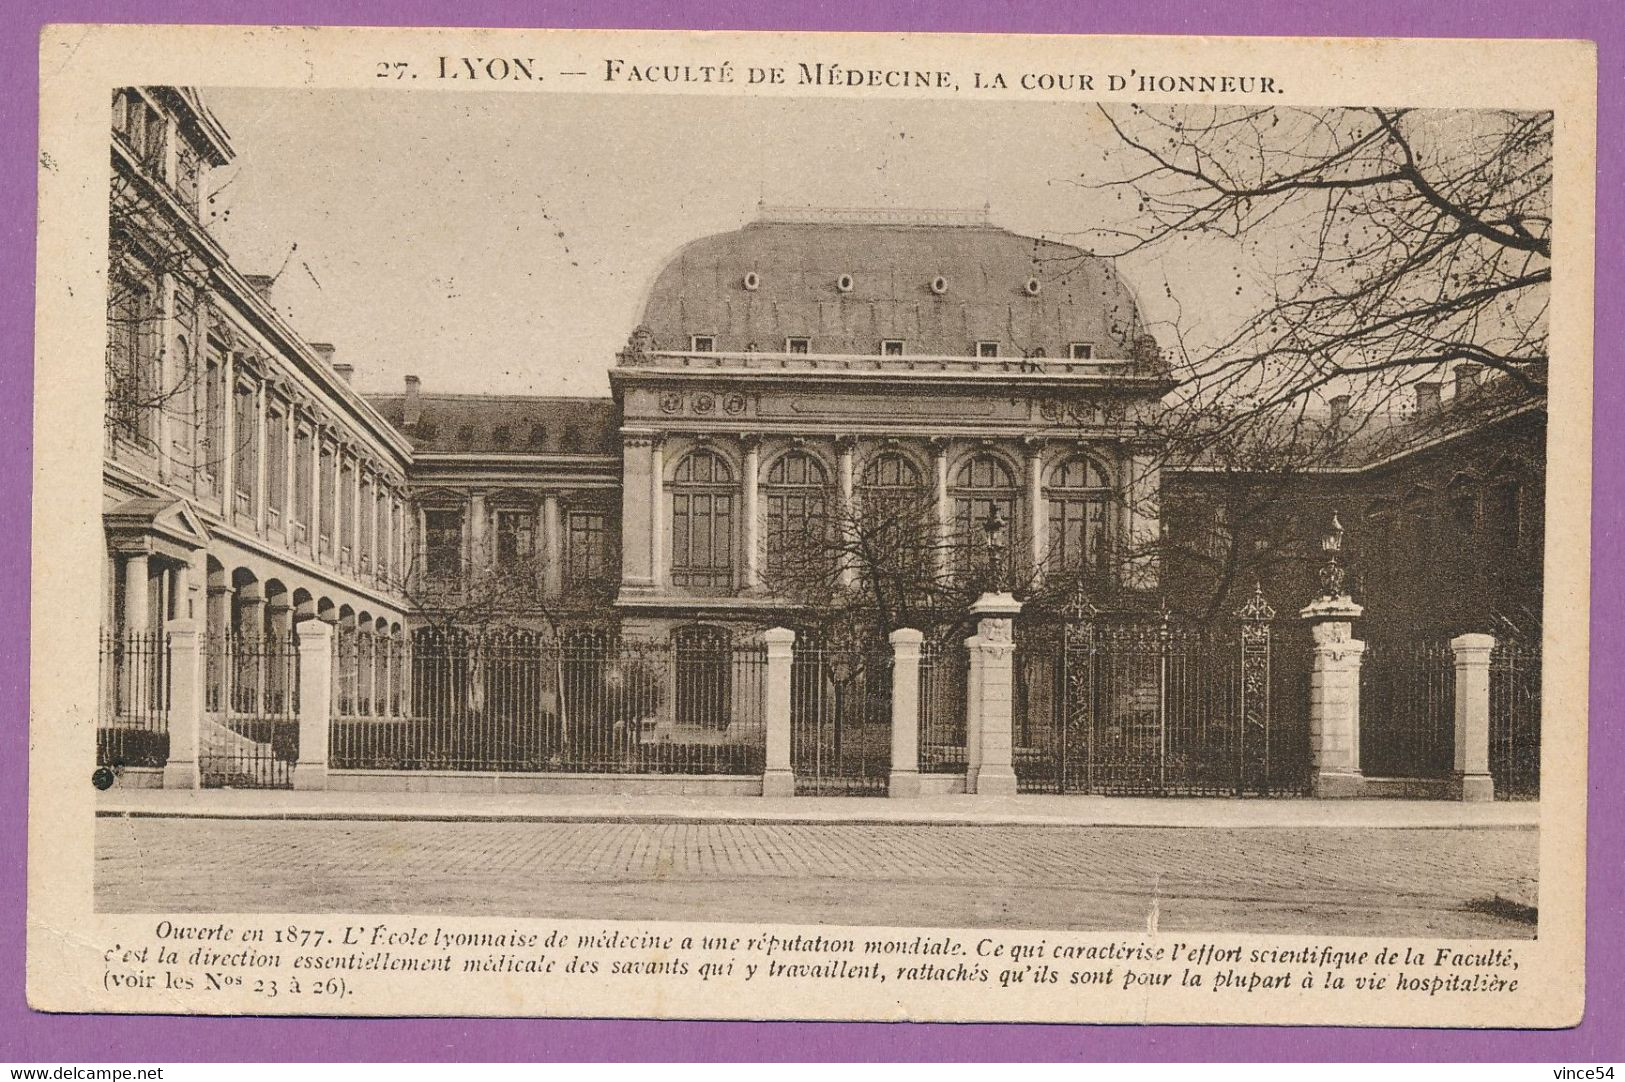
[813, 390]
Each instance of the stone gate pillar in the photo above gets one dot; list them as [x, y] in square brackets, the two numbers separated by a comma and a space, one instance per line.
[905, 713]
[1473, 780]
[1334, 696]
[315, 704]
[990, 767]
[185, 705]
[778, 777]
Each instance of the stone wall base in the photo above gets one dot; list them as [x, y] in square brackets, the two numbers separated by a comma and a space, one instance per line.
[1472, 788]
[778, 783]
[1338, 786]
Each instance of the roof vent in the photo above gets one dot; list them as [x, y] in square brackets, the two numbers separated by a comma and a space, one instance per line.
[939, 285]
[844, 283]
[753, 281]
[1033, 287]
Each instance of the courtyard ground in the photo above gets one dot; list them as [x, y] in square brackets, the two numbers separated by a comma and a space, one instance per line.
[1289, 867]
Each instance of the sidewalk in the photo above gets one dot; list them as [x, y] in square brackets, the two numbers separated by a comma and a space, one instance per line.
[940, 810]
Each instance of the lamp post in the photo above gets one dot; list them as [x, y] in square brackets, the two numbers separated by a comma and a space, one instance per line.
[1333, 578]
[994, 527]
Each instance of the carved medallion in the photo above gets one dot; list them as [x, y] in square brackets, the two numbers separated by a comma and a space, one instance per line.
[704, 403]
[733, 404]
[671, 402]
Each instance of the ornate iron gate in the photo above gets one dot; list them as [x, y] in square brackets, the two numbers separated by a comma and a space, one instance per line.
[1148, 704]
[840, 719]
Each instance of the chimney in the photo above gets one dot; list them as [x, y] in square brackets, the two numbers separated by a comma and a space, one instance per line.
[261, 284]
[412, 410]
[1427, 398]
[1467, 378]
[324, 350]
[1340, 411]
[345, 371]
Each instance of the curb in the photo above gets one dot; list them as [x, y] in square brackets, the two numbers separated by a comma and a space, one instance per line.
[790, 819]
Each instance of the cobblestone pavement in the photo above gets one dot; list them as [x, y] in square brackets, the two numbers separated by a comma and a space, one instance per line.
[1322, 881]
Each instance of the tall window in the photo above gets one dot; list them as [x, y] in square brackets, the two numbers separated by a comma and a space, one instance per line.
[213, 452]
[276, 465]
[891, 487]
[982, 487]
[796, 505]
[1078, 496]
[516, 538]
[702, 510]
[380, 512]
[586, 550]
[347, 507]
[132, 361]
[330, 487]
[1501, 515]
[443, 544]
[246, 470]
[303, 450]
[365, 524]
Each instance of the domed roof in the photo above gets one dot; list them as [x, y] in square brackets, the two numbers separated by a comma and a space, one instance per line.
[848, 286]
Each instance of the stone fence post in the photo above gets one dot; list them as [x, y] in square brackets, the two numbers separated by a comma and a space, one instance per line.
[1334, 697]
[185, 704]
[990, 770]
[1473, 780]
[315, 703]
[905, 713]
[778, 777]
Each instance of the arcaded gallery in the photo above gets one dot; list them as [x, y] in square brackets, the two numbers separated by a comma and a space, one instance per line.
[879, 502]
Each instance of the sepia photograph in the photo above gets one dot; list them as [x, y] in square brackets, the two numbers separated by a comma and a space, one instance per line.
[698, 521]
[1169, 452]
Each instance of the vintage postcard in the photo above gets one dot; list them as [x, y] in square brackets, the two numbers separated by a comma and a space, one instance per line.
[811, 526]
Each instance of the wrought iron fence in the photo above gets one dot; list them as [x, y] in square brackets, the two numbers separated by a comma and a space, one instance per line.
[249, 738]
[1408, 708]
[943, 669]
[1515, 670]
[585, 703]
[132, 726]
[840, 718]
[1135, 703]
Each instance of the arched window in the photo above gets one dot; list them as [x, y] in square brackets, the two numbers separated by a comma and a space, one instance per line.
[796, 489]
[1078, 495]
[982, 487]
[892, 496]
[702, 522]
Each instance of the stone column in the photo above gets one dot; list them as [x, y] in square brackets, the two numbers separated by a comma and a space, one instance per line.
[753, 527]
[778, 777]
[1334, 697]
[940, 516]
[185, 705]
[314, 526]
[249, 684]
[315, 699]
[905, 713]
[552, 548]
[1037, 510]
[479, 557]
[218, 616]
[279, 613]
[991, 770]
[637, 563]
[657, 513]
[137, 617]
[181, 590]
[847, 571]
[1473, 780]
[226, 466]
[1143, 525]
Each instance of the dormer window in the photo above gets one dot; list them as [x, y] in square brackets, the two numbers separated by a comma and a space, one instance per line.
[1080, 351]
[702, 343]
[987, 349]
[538, 435]
[891, 347]
[798, 345]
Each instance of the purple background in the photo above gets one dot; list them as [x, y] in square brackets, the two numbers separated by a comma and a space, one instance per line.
[28, 1036]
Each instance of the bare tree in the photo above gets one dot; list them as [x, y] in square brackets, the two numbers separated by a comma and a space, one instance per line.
[1392, 243]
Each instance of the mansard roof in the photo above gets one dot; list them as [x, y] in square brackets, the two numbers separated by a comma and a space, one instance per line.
[847, 284]
[506, 424]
